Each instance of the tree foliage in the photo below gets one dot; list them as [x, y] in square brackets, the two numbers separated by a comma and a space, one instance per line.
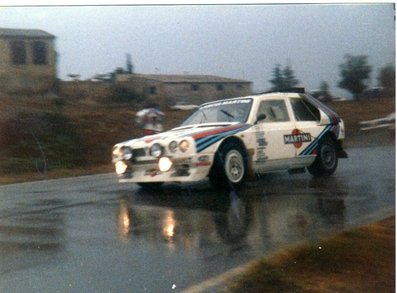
[387, 78]
[283, 78]
[354, 73]
[125, 94]
[324, 89]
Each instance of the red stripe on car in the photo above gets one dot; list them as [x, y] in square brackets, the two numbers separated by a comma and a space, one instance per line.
[214, 131]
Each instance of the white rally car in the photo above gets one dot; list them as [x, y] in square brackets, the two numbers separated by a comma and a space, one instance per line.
[232, 140]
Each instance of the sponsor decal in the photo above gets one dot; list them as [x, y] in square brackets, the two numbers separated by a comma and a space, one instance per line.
[261, 146]
[202, 164]
[297, 138]
[152, 172]
[149, 139]
[230, 102]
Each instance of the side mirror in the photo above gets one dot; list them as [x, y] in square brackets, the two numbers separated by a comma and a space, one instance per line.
[261, 116]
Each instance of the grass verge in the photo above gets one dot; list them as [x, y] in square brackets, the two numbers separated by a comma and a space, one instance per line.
[359, 260]
[55, 174]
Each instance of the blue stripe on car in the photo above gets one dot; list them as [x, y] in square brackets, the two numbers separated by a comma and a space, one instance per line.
[311, 147]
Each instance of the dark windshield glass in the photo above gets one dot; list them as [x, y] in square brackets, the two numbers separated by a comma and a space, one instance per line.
[221, 111]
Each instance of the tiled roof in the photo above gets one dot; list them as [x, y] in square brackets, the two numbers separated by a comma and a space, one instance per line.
[189, 78]
[25, 33]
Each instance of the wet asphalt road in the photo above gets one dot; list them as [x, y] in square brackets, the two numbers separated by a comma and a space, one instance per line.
[91, 234]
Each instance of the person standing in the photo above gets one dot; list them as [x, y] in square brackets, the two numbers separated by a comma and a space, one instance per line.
[150, 120]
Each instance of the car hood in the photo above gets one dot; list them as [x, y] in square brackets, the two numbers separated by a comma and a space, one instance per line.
[203, 135]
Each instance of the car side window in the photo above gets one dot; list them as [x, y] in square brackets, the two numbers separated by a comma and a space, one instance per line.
[304, 111]
[275, 111]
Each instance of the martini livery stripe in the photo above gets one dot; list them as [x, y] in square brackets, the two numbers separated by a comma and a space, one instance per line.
[207, 138]
[332, 116]
[203, 134]
[311, 148]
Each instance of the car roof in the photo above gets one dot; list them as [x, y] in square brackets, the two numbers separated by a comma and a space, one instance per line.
[271, 95]
[277, 95]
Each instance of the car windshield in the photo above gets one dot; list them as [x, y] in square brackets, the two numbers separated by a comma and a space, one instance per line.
[221, 111]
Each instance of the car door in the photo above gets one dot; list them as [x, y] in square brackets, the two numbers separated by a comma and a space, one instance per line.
[272, 153]
[307, 128]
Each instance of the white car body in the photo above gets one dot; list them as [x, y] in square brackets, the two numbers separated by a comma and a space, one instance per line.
[287, 139]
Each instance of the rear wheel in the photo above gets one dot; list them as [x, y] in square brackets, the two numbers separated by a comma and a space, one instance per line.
[326, 161]
[229, 166]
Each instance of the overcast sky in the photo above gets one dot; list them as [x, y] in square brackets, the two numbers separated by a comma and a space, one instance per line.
[236, 41]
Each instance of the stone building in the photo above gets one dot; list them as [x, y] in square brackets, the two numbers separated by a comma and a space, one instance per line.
[190, 89]
[27, 61]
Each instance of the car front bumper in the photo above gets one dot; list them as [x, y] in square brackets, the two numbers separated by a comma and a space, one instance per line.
[188, 169]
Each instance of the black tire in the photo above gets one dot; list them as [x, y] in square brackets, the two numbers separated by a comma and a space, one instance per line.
[230, 166]
[150, 185]
[326, 161]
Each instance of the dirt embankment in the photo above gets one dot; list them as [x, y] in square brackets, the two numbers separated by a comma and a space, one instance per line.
[103, 126]
[359, 260]
[100, 126]
[353, 112]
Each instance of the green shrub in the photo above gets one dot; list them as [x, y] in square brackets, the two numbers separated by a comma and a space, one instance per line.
[123, 94]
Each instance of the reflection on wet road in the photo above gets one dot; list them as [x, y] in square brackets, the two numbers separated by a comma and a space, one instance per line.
[92, 234]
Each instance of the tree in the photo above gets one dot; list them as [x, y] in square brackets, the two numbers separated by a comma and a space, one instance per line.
[324, 89]
[354, 73]
[278, 80]
[117, 71]
[387, 78]
[289, 78]
[130, 67]
[283, 78]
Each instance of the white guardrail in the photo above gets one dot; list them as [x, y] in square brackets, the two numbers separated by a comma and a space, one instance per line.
[386, 122]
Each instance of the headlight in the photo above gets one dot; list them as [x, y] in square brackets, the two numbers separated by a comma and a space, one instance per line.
[165, 164]
[121, 167]
[156, 150]
[116, 152]
[122, 153]
[127, 153]
[184, 145]
[173, 146]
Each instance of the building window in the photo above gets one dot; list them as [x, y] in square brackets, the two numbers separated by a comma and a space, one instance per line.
[239, 87]
[39, 53]
[18, 53]
[219, 87]
[195, 87]
[152, 90]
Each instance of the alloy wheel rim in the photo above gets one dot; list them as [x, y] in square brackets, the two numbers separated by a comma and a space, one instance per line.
[329, 156]
[234, 166]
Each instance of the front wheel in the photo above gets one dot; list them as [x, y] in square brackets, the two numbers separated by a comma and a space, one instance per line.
[229, 166]
[326, 161]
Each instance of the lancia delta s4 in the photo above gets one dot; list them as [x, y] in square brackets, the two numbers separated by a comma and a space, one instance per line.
[233, 140]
